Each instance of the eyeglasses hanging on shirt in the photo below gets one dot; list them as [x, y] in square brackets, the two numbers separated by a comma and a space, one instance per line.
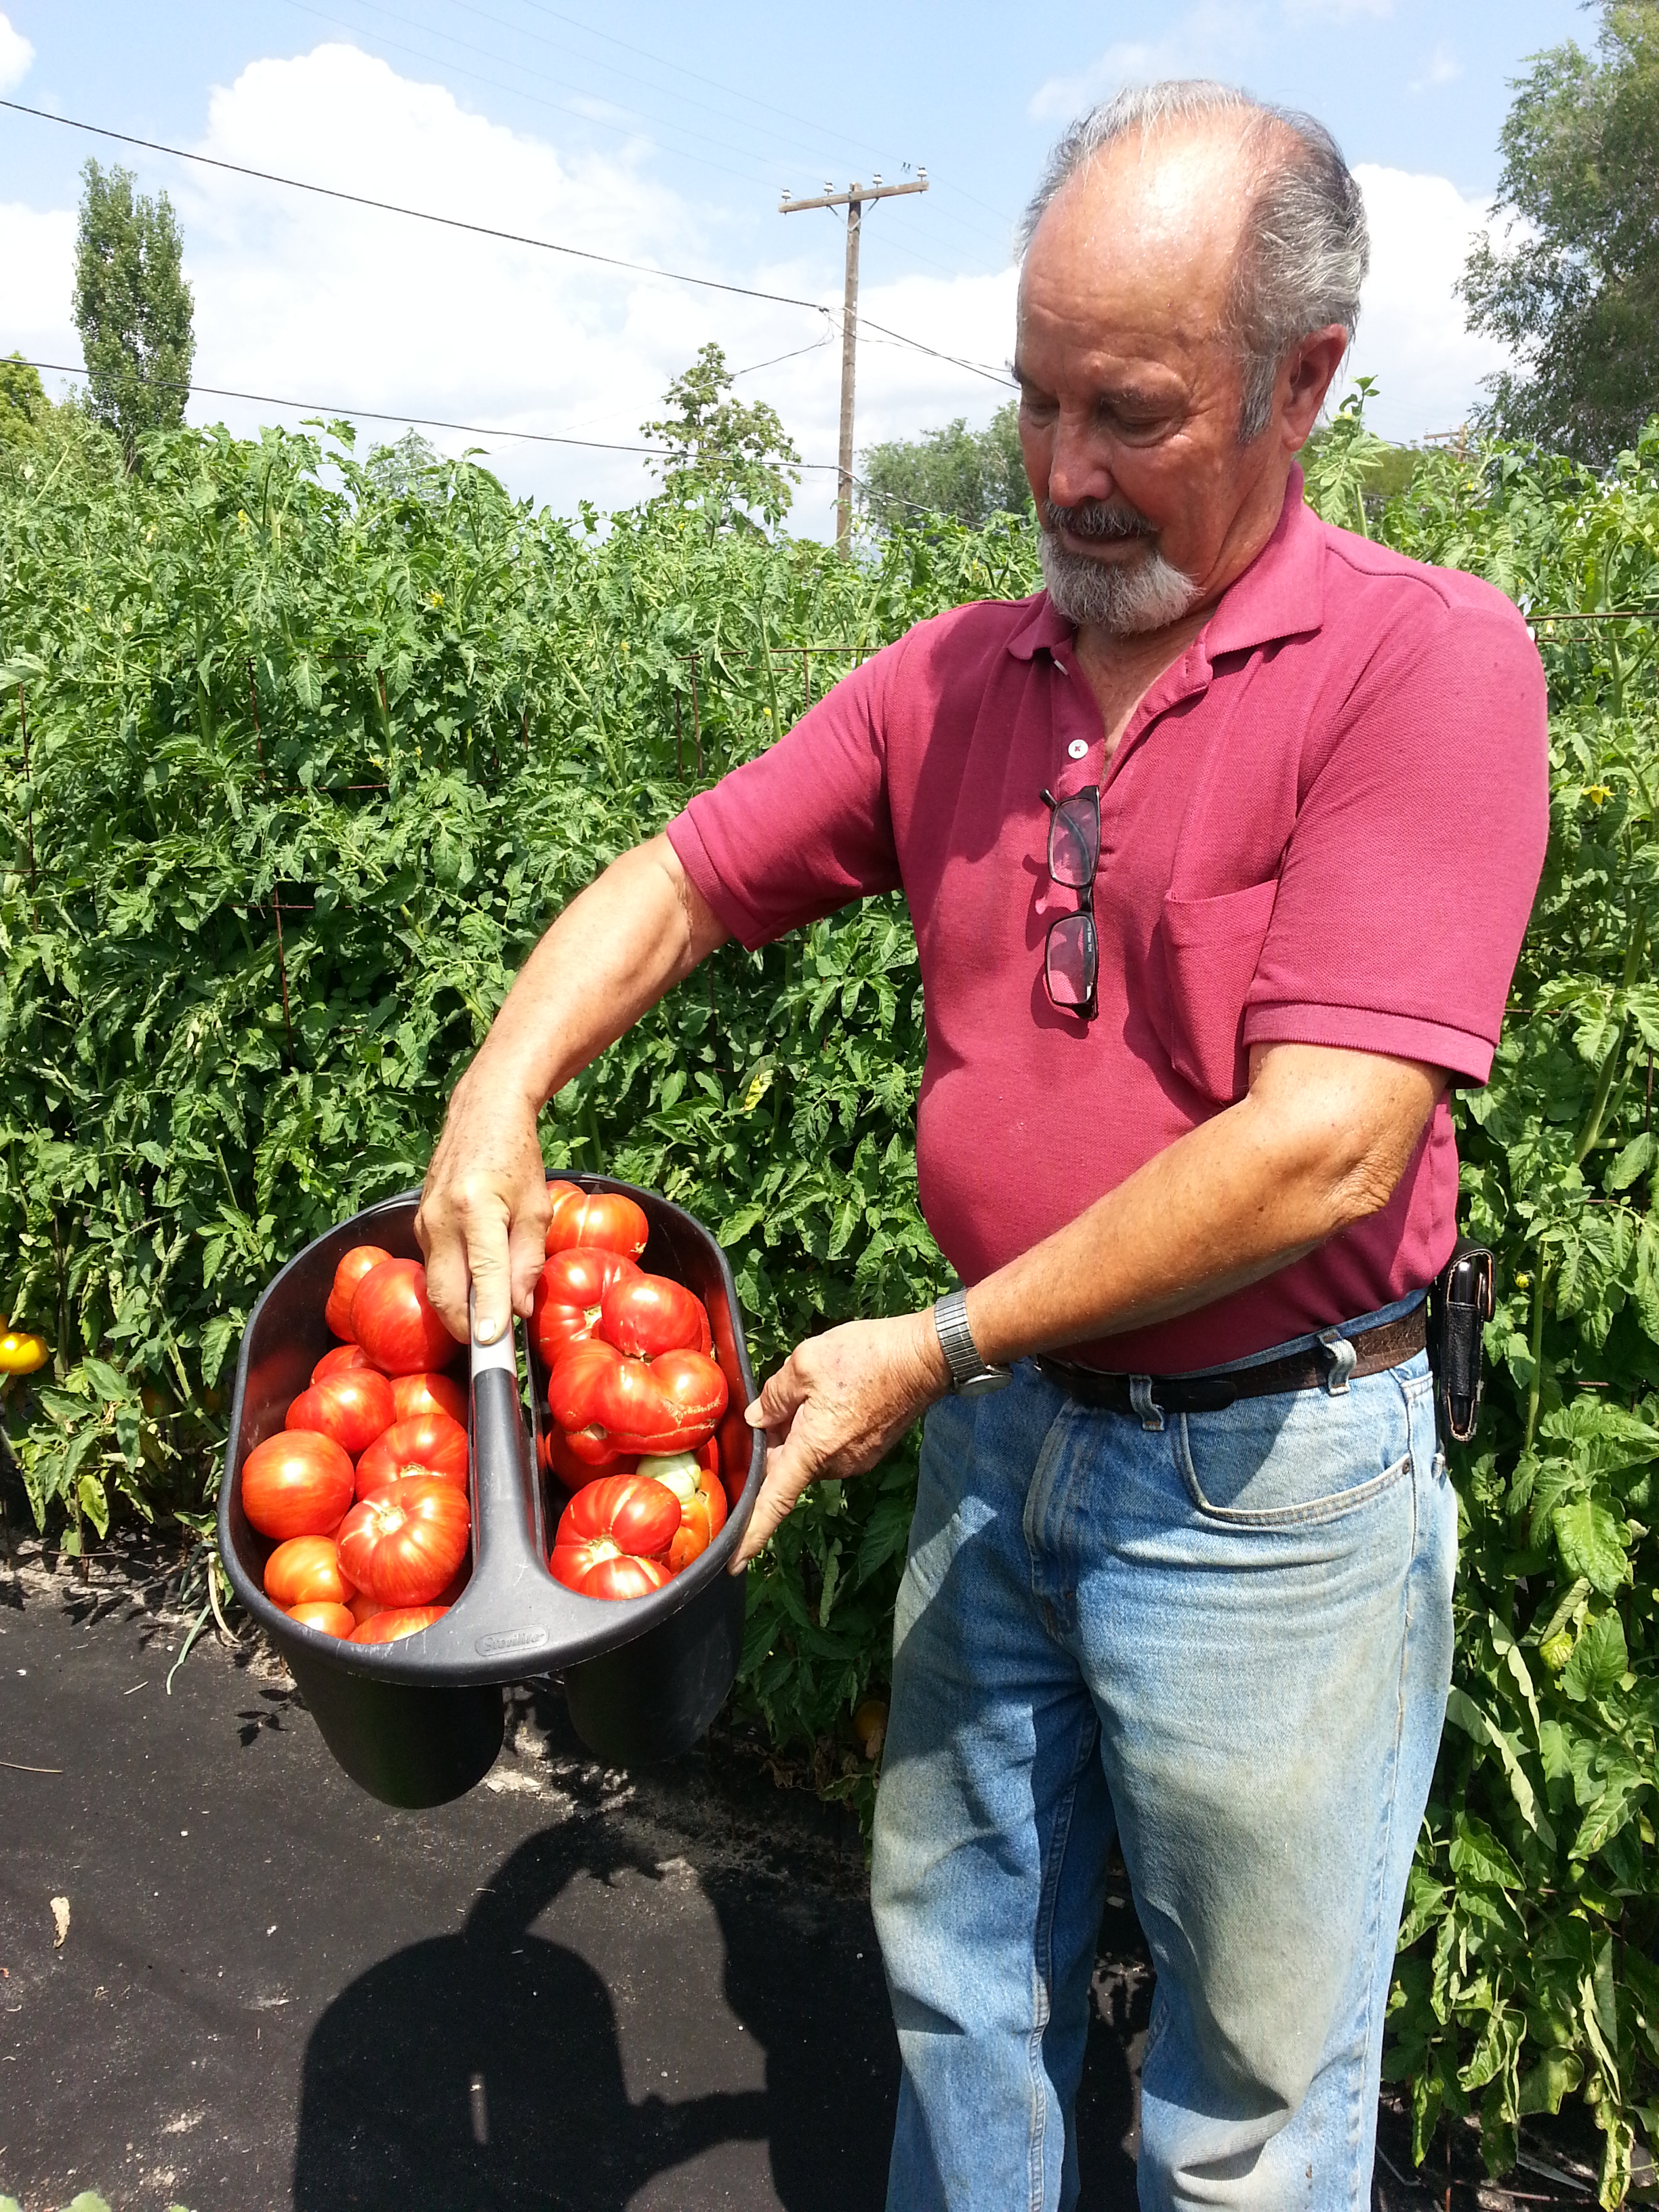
[1070, 956]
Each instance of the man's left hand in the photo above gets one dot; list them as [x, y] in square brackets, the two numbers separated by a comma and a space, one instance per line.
[836, 1405]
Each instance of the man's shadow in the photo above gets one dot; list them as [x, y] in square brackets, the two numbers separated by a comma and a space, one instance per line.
[484, 2070]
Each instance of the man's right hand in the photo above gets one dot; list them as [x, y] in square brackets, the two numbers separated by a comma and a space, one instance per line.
[484, 1209]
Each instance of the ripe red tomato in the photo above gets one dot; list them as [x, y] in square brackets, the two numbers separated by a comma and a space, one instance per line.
[364, 1608]
[669, 1404]
[354, 1408]
[350, 1272]
[344, 1359]
[644, 1315]
[332, 1619]
[416, 1395]
[403, 1548]
[560, 1456]
[430, 1444]
[621, 1576]
[569, 1292]
[633, 1513]
[702, 1502]
[306, 1570]
[395, 1322]
[393, 1622]
[297, 1484]
[602, 1217]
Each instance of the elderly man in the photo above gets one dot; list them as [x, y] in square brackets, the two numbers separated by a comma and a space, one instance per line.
[1220, 853]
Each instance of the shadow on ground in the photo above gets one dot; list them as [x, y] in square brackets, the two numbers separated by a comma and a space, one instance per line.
[491, 2068]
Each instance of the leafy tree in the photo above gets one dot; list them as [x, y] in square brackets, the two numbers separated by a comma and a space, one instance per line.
[132, 308]
[24, 406]
[968, 475]
[728, 459]
[1577, 293]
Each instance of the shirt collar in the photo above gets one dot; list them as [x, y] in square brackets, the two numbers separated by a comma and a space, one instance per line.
[1281, 594]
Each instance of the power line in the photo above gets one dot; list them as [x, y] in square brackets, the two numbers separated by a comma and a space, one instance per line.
[375, 414]
[479, 229]
[321, 407]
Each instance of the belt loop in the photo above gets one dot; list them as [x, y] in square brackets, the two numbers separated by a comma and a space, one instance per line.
[1341, 1359]
[1144, 1403]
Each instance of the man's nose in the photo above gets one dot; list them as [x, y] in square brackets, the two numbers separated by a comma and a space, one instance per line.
[1079, 468]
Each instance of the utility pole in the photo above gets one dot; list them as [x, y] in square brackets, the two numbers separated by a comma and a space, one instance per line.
[853, 199]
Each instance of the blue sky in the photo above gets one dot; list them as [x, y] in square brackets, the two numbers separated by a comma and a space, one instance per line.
[665, 133]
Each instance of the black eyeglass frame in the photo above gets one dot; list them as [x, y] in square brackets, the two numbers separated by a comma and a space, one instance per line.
[1088, 836]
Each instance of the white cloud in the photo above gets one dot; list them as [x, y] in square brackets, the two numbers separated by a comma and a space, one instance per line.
[1412, 337]
[308, 298]
[1443, 67]
[1211, 40]
[16, 55]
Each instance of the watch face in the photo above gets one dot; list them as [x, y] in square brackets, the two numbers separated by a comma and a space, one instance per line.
[981, 1385]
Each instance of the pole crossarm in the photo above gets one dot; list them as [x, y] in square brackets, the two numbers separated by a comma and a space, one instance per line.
[854, 199]
[876, 191]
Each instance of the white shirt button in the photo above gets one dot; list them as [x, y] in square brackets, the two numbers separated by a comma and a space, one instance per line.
[1077, 749]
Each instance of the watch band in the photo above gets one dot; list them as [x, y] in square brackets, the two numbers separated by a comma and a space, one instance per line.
[970, 1375]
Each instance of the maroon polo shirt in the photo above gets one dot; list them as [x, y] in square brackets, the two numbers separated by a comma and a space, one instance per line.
[1324, 824]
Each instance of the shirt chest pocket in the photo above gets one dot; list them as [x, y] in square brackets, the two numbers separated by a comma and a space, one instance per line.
[1210, 949]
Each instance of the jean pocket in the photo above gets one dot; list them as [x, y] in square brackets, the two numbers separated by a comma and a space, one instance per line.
[1291, 1460]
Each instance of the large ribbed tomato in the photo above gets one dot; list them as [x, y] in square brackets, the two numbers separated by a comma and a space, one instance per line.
[692, 1478]
[297, 1484]
[394, 1621]
[602, 1217]
[601, 1399]
[643, 1315]
[620, 1575]
[415, 1394]
[344, 1359]
[347, 1276]
[404, 1548]
[569, 1292]
[306, 1570]
[431, 1444]
[395, 1322]
[619, 1516]
[353, 1408]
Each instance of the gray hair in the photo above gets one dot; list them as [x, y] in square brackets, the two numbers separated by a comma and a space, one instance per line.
[1305, 249]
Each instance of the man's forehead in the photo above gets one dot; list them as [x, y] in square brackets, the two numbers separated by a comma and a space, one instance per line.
[1150, 226]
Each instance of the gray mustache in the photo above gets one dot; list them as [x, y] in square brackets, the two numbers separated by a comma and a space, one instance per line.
[1106, 520]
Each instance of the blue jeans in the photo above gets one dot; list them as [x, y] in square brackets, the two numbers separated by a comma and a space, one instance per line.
[1228, 1642]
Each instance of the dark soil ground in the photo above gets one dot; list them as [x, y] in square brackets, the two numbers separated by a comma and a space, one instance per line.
[573, 1989]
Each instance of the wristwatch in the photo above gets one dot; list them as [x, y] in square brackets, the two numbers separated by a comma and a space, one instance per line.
[970, 1376]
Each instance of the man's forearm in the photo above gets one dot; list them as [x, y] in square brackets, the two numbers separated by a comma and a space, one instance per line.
[632, 934]
[1319, 1143]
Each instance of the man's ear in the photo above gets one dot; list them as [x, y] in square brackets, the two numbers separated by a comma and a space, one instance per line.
[1304, 378]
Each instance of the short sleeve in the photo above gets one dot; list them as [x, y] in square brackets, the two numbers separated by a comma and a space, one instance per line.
[804, 828]
[1411, 870]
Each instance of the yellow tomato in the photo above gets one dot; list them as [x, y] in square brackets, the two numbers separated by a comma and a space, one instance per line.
[21, 1354]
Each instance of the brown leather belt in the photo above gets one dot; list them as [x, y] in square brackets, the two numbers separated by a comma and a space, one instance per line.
[1330, 1363]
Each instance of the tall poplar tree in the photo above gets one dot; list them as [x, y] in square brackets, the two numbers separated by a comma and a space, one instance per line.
[132, 306]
